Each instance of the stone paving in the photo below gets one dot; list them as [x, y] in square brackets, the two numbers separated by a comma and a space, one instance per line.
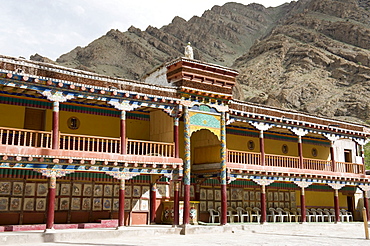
[244, 234]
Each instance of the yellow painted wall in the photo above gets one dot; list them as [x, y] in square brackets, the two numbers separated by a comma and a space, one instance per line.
[322, 199]
[137, 129]
[205, 147]
[93, 125]
[237, 142]
[12, 116]
[323, 153]
[274, 147]
[107, 126]
[161, 127]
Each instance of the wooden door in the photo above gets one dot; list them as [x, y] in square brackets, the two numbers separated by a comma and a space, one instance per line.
[34, 119]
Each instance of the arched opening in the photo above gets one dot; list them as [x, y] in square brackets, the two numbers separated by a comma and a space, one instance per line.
[205, 149]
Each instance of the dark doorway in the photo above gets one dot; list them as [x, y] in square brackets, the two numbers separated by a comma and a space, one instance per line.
[351, 204]
[347, 155]
[34, 119]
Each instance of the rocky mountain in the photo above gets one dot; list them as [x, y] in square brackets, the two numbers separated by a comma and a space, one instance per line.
[220, 35]
[317, 61]
[306, 55]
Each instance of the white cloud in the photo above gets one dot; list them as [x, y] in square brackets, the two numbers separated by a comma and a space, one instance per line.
[52, 28]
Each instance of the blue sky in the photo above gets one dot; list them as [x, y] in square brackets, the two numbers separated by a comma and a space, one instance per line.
[54, 27]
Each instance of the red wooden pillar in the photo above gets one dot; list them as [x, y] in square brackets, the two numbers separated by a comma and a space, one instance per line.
[176, 137]
[153, 202]
[263, 204]
[121, 200]
[336, 206]
[300, 152]
[303, 206]
[51, 203]
[223, 220]
[55, 141]
[333, 165]
[123, 133]
[366, 204]
[176, 204]
[262, 148]
[186, 215]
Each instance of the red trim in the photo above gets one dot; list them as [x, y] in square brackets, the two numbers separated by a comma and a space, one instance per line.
[176, 207]
[50, 208]
[186, 216]
[336, 208]
[303, 208]
[223, 205]
[263, 208]
[121, 209]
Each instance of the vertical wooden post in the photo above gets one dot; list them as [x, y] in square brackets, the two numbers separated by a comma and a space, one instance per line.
[262, 148]
[366, 204]
[123, 133]
[186, 215]
[51, 203]
[176, 204]
[223, 220]
[333, 165]
[366, 225]
[336, 206]
[263, 204]
[153, 202]
[303, 206]
[176, 137]
[55, 141]
[300, 152]
[121, 200]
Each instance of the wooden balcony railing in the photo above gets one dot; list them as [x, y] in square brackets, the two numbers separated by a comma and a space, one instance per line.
[89, 143]
[347, 167]
[314, 164]
[242, 157]
[25, 138]
[140, 147]
[282, 161]
[250, 158]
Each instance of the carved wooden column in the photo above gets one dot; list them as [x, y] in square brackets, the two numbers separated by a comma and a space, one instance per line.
[176, 204]
[55, 137]
[176, 136]
[123, 149]
[300, 133]
[263, 182]
[303, 184]
[261, 127]
[123, 106]
[56, 97]
[332, 138]
[336, 187]
[51, 202]
[122, 177]
[186, 215]
[333, 165]
[52, 174]
[223, 219]
[365, 189]
[121, 202]
[153, 202]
